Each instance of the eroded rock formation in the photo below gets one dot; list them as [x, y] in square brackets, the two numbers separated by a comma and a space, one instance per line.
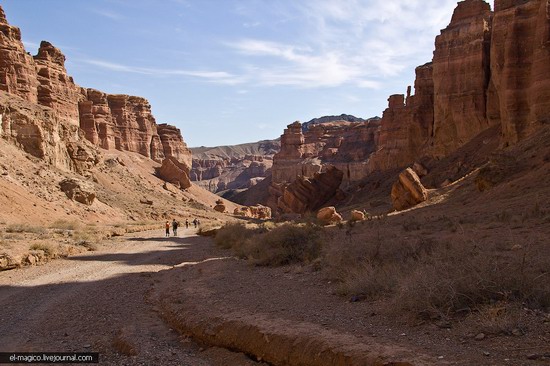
[328, 215]
[57, 90]
[306, 194]
[175, 172]
[109, 121]
[17, 71]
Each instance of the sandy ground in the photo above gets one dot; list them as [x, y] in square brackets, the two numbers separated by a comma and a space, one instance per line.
[99, 302]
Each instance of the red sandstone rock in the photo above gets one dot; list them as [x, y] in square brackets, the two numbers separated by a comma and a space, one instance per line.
[175, 172]
[461, 75]
[408, 191]
[357, 215]
[328, 215]
[173, 144]
[78, 190]
[308, 194]
[57, 90]
[17, 72]
[519, 92]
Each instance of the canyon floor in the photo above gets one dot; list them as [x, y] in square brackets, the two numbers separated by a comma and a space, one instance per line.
[183, 301]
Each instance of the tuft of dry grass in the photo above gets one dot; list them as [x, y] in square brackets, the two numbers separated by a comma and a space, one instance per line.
[87, 238]
[65, 225]
[25, 228]
[429, 278]
[48, 249]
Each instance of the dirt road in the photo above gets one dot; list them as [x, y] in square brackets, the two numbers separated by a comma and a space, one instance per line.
[98, 302]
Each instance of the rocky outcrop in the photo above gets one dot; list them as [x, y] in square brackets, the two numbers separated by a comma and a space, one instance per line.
[408, 191]
[57, 90]
[78, 190]
[461, 75]
[17, 71]
[519, 91]
[306, 194]
[41, 133]
[220, 206]
[328, 215]
[125, 122]
[256, 212]
[173, 144]
[344, 145]
[357, 215]
[109, 121]
[175, 172]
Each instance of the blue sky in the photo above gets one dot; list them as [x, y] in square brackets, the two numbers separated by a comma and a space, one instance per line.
[235, 71]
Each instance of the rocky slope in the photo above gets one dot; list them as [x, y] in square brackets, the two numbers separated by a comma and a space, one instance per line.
[489, 73]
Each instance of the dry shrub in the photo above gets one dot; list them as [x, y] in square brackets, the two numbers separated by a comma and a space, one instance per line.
[86, 238]
[269, 244]
[427, 278]
[65, 225]
[233, 235]
[283, 245]
[25, 228]
[48, 249]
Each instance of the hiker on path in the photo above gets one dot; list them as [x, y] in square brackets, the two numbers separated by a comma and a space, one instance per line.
[187, 223]
[167, 225]
[175, 225]
[195, 222]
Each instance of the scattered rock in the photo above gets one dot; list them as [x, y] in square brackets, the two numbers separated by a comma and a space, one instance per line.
[146, 202]
[175, 172]
[480, 337]
[357, 215]
[328, 215]
[220, 206]
[78, 190]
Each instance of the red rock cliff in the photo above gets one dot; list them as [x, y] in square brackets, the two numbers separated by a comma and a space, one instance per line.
[461, 76]
[17, 72]
[519, 93]
[57, 89]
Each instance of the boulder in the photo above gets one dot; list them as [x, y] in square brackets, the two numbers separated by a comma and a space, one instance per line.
[175, 172]
[408, 191]
[328, 215]
[220, 207]
[78, 190]
[260, 212]
[357, 215]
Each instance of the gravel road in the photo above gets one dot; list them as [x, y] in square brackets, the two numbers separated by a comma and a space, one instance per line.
[98, 302]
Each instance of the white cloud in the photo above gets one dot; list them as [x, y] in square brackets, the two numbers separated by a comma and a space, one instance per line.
[108, 14]
[357, 42]
[221, 77]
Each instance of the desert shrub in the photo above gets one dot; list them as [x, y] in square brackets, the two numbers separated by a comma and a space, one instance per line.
[25, 228]
[47, 248]
[65, 225]
[283, 245]
[86, 238]
[233, 235]
[458, 277]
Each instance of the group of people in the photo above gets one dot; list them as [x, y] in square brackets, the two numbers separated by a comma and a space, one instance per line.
[175, 224]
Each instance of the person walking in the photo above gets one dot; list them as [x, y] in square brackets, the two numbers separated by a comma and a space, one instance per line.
[195, 223]
[187, 223]
[167, 225]
[175, 225]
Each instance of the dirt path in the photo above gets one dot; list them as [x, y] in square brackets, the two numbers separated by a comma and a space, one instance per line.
[99, 302]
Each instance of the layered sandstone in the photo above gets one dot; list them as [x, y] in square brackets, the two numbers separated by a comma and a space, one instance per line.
[41, 133]
[307, 194]
[109, 121]
[173, 144]
[57, 89]
[519, 93]
[461, 75]
[17, 71]
[344, 145]
[408, 191]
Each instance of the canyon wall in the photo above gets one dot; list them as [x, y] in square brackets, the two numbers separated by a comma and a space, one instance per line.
[490, 71]
[108, 121]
